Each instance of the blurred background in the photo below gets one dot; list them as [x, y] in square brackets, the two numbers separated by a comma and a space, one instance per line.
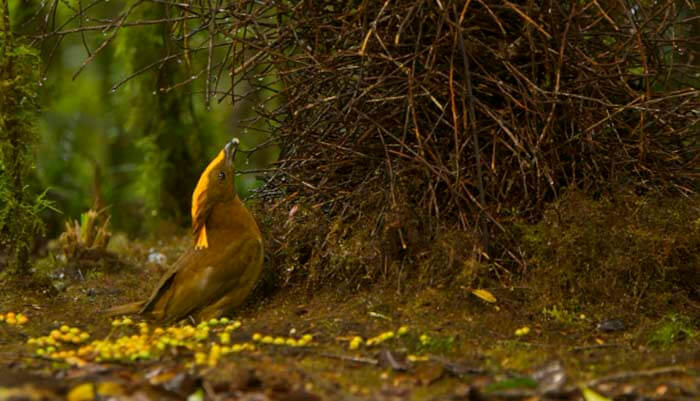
[137, 149]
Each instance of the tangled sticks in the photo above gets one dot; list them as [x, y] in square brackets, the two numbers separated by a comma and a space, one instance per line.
[467, 111]
[476, 110]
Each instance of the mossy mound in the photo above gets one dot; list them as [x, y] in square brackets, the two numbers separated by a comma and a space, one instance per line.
[624, 250]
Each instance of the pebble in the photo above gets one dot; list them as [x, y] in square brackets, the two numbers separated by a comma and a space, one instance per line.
[611, 325]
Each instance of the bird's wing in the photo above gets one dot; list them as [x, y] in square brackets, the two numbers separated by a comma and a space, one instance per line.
[161, 290]
[212, 277]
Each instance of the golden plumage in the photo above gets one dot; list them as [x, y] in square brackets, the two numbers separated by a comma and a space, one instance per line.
[217, 273]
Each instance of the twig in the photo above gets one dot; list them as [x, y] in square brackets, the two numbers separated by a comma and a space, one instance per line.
[623, 376]
[349, 358]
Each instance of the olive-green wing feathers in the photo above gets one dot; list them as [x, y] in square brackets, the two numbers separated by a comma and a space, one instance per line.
[206, 280]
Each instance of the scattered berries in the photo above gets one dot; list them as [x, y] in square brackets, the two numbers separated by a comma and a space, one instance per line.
[12, 318]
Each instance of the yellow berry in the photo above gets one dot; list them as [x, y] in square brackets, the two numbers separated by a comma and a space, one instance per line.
[355, 343]
[522, 331]
[200, 358]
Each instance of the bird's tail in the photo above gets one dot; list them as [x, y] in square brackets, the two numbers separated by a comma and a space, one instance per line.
[127, 309]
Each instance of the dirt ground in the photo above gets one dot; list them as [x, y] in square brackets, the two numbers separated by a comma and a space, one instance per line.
[371, 344]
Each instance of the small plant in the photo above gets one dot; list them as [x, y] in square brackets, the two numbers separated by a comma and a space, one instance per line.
[560, 315]
[424, 343]
[673, 328]
[89, 235]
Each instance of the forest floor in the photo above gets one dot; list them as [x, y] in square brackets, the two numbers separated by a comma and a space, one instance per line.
[376, 344]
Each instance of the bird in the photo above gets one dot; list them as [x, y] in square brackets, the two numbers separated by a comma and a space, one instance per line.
[219, 270]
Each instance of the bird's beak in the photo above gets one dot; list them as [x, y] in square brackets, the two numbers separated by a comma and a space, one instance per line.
[230, 151]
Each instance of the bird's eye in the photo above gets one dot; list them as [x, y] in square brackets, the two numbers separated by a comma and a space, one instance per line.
[222, 175]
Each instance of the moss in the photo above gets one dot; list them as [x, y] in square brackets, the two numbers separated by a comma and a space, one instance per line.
[672, 329]
[599, 257]
[20, 208]
[624, 251]
[514, 355]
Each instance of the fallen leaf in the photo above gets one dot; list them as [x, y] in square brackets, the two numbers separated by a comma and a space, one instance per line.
[484, 295]
[196, 396]
[590, 395]
[27, 392]
[509, 384]
[91, 391]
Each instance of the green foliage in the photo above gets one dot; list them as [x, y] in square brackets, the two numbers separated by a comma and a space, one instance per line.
[428, 344]
[140, 148]
[20, 222]
[560, 315]
[160, 121]
[149, 182]
[673, 328]
[19, 207]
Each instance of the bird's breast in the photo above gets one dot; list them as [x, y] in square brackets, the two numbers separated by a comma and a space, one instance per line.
[229, 222]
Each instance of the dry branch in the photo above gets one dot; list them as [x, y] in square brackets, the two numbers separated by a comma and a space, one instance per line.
[454, 109]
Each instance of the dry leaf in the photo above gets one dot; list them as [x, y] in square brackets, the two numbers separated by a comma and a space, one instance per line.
[485, 295]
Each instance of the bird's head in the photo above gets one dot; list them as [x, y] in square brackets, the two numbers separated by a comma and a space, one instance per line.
[215, 185]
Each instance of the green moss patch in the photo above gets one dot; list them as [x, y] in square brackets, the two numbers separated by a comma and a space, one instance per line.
[624, 252]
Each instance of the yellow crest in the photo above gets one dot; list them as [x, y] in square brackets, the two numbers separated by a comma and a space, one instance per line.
[199, 204]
